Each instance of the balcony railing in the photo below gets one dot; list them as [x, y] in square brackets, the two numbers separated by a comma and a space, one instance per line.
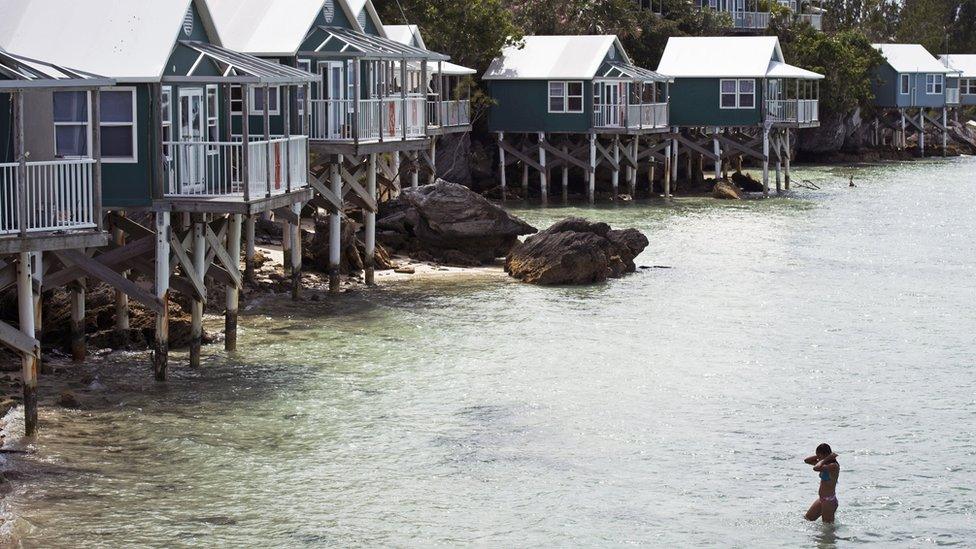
[799, 111]
[815, 19]
[750, 19]
[634, 117]
[451, 113]
[952, 96]
[58, 196]
[210, 169]
[378, 119]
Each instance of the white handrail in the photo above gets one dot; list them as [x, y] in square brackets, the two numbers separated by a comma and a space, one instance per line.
[59, 196]
[802, 111]
[381, 118]
[641, 116]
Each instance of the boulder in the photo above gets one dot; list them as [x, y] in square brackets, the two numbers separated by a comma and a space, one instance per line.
[725, 190]
[449, 223]
[575, 251]
[315, 252]
[746, 183]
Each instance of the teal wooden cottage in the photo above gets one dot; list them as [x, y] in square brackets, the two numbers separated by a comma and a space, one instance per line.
[574, 97]
[167, 145]
[965, 64]
[50, 204]
[367, 107]
[732, 93]
[913, 92]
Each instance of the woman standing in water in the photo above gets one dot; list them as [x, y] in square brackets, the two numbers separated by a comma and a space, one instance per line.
[825, 462]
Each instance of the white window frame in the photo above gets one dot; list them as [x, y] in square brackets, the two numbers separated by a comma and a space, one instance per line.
[87, 124]
[213, 118]
[738, 93]
[134, 159]
[904, 84]
[274, 91]
[933, 82]
[566, 96]
[967, 86]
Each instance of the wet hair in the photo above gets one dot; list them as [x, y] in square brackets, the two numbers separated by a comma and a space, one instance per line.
[824, 450]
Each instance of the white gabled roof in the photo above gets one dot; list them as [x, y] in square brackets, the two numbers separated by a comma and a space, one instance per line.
[554, 57]
[263, 27]
[720, 56]
[128, 40]
[410, 34]
[357, 6]
[911, 58]
[964, 63]
[783, 70]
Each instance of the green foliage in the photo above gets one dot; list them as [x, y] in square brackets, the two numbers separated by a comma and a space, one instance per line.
[846, 58]
[877, 19]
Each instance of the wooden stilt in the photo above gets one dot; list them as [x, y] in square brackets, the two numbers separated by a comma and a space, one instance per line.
[414, 170]
[77, 290]
[38, 284]
[945, 131]
[543, 173]
[121, 298]
[591, 183]
[903, 142]
[525, 181]
[765, 161]
[787, 152]
[396, 170]
[249, 249]
[779, 163]
[25, 309]
[286, 244]
[196, 307]
[433, 159]
[615, 175]
[632, 179]
[717, 149]
[160, 354]
[371, 223]
[296, 253]
[335, 228]
[674, 160]
[668, 170]
[232, 292]
[921, 132]
[501, 164]
[565, 173]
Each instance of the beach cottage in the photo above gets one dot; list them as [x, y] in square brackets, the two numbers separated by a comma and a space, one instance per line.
[368, 103]
[50, 193]
[734, 93]
[913, 92]
[168, 147]
[579, 100]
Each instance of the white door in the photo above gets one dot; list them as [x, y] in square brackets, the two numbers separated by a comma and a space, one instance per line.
[193, 158]
[612, 103]
[334, 92]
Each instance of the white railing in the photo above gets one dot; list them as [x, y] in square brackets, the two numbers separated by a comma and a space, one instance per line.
[815, 19]
[952, 96]
[214, 168]
[378, 119]
[800, 111]
[750, 19]
[646, 116]
[451, 113]
[59, 196]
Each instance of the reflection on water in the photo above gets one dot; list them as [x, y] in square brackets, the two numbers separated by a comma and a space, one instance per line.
[670, 407]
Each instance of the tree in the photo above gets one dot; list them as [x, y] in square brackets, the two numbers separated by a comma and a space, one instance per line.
[876, 19]
[927, 22]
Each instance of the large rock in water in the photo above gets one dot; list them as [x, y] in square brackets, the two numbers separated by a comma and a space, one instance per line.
[725, 190]
[448, 222]
[575, 251]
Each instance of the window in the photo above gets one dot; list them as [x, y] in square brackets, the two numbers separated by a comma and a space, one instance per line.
[71, 135]
[565, 97]
[118, 125]
[906, 84]
[236, 100]
[967, 86]
[166, 116]
[213, 119]
[257, 100]
[737, 94]
[934, 84]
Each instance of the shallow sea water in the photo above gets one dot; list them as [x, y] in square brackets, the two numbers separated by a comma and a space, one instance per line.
[672, 407]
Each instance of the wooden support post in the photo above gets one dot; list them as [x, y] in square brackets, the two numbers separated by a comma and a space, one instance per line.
[414, 170]
[160, 354]
[396, 171]
[286, 244]
[674, 160]
[632, 175]
[370, 223]
[433, 160]
[37, 284]
[335, 227]
[77, 290]
[667, 171]
[543, 173]
[903, 142]
[787, 151]
[25, 309]
[921, 132]
[233, 292]
[945, 131]
[615, 175]
[501, 164]
[565, 174]
[525, 181]
[717, 149]
[296, 252]
[779, 163]
[765, 161]
[591, 184]
[249, 249]
[121, 298]
[196, 307]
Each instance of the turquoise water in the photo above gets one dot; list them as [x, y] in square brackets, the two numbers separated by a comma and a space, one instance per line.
[669, 408]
